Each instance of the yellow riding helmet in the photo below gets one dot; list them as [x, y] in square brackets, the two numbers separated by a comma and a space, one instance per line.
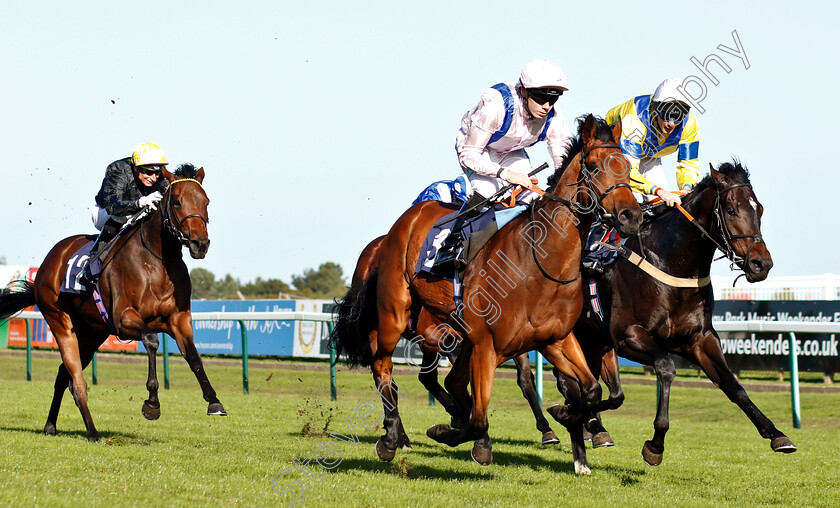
[148, 153]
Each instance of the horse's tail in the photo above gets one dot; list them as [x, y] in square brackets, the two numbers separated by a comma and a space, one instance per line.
[16, 297]
[355, 317]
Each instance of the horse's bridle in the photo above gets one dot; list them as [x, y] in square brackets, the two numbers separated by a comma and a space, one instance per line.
[585, 177]
[728, 237]
[726, 246]
[168, 214]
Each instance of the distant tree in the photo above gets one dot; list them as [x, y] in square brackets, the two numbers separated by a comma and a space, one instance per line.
[203, 283]
[271, 288]
[227, 289]
[205, 286]
[2, 260]
[326, 282]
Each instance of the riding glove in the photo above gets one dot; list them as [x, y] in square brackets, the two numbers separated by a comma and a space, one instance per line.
[150, 200]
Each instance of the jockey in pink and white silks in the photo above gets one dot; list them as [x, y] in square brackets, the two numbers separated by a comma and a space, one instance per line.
[491, 142]
[509, 118]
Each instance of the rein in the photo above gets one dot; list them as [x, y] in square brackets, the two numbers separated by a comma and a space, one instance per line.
[584, 178]
[726, 247]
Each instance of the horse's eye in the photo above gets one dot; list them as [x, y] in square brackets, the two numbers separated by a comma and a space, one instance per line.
[730, 211]
[175, 202]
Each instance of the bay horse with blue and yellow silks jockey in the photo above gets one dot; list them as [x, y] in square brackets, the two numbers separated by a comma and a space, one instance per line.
[657, 298]
[145, 289]
[521, 293]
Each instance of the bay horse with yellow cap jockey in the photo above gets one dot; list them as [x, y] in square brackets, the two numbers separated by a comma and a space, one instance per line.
[144, 288]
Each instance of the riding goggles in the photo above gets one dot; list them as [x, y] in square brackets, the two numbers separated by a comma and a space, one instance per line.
[543, 95]
[671, 111]
[149, 170]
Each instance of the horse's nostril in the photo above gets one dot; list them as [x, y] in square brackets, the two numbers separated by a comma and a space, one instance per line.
[630, 218]
[757, 265]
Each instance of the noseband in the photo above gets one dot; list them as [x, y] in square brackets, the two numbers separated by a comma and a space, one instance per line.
[171, 221]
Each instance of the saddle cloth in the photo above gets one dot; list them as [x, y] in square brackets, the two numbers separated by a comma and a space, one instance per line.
[73, 271]
[487, 223]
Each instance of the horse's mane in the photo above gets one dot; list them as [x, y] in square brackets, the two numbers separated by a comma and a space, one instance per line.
[603, 131]
[186, 170]
[733, 170]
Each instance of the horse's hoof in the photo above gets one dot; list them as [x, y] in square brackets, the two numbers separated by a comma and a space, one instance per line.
[437, 432]
[549, 438]
[482, 456]
[216, 409]
[587, 436]
[602, 439]
[581, 468]
[651, 457]
[782, 444]
[93, 437]
[151, 412]
[383, 452]
[49, 429]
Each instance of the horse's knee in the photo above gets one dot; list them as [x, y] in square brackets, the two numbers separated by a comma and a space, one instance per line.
[79, 391]
[150, 341]
[591, 395]
[665, 368]
[452, 385]
[616, 400]
[525, 379]
[428, 380]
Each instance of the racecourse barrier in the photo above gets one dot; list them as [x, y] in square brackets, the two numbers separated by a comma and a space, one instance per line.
[240, 317]
[792, 348]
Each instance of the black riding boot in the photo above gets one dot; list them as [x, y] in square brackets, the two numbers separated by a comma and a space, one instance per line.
[100, 248]
[452, 249]
[597, 256]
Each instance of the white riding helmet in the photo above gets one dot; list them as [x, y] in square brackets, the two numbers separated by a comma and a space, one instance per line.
[543, 74]
[668, 91]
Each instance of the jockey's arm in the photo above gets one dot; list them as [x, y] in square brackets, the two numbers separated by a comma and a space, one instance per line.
[114, 190]
[484, 120]
[687, 156]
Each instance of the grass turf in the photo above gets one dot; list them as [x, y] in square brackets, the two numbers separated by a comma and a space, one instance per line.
[713, 454]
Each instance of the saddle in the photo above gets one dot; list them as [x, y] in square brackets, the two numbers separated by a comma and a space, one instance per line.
[476, 232]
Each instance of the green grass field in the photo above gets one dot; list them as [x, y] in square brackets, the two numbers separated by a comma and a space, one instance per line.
[713, 454]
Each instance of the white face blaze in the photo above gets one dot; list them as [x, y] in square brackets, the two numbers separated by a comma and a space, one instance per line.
[753, 204]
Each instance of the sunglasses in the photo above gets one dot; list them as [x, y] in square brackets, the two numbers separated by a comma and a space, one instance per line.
[671, 111]
[149, 170]
[543, 95]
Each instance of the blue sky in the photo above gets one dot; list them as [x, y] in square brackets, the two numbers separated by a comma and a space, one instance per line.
[318, 124]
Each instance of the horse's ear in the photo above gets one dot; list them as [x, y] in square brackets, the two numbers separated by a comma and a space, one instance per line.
[166, 174]
[589, 125]
[616, 133]
[199, 175]
[720, 179]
